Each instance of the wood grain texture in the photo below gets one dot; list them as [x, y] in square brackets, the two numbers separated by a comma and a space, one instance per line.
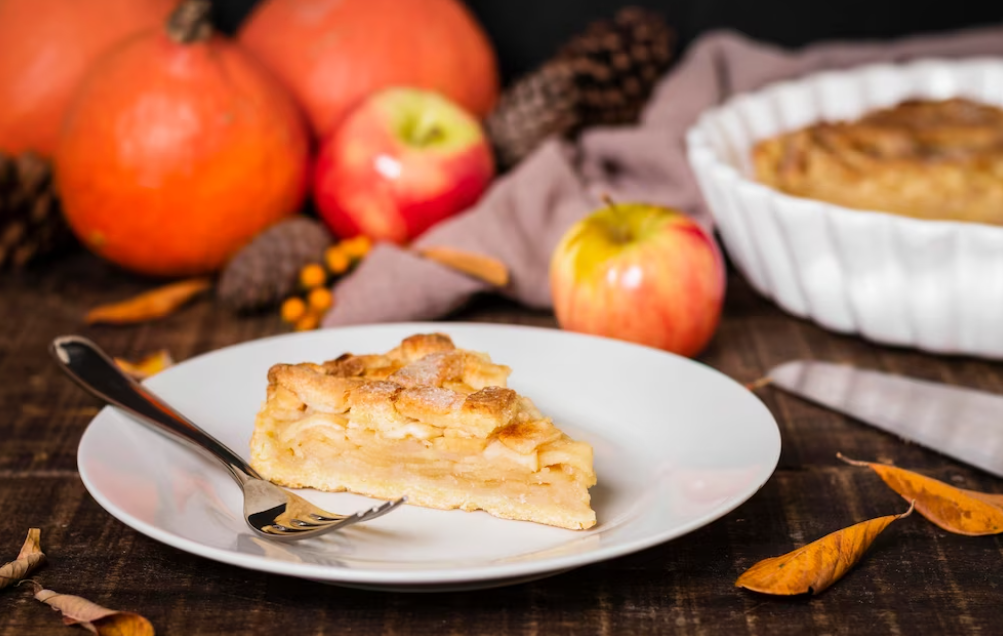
[916, 579]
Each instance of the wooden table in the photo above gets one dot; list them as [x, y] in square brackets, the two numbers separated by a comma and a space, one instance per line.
[916, 579]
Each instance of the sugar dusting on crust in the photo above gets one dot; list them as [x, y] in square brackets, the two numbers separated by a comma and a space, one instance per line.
[432, 370]
[430, 398]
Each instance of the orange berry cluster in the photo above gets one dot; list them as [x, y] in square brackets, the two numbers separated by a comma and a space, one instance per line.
[305, 310]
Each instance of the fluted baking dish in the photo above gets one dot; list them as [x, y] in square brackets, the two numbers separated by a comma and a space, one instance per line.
[933, 285]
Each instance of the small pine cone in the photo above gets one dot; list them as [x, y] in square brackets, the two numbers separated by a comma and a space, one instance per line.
[265, 272]
[539, 105]
[617, 63]
[31, 222]
[602, 76]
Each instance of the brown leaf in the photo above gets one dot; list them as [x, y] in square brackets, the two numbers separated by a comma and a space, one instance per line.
[150, 365]
[953, 509]
[33, 410]
[93, 617]
[812, 568]
[485, 268]
[27, 559]
[150, 305]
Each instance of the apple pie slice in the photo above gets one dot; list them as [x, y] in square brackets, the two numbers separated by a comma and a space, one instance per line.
[425, 420]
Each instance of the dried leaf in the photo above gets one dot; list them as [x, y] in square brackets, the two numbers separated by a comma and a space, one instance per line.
[812, 568]
[27, 559]
[150, 305]
[150, 365]
[93, 617]
[953, 509]
[485, 268]
[33, 410]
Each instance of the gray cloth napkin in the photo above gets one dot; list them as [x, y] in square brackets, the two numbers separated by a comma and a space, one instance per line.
[523, 216]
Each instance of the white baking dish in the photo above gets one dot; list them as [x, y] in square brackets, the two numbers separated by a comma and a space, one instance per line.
[934, 285]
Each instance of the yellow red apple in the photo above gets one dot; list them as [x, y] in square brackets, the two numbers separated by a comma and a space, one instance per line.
[400, 162]
[640, 273]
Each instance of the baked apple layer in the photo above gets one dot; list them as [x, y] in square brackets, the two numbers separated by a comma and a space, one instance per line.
[431, 478]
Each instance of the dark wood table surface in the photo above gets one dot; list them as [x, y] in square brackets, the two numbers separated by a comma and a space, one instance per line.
[917, 579]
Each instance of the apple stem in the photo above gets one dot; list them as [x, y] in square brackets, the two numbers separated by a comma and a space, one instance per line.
[621, 234]
[189, 22]
[428, 135]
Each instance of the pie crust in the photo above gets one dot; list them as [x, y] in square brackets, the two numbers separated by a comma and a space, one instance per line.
[924, 159]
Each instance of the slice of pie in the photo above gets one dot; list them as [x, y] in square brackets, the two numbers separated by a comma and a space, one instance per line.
[425, 420]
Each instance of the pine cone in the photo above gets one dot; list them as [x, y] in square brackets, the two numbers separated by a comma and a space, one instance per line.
[31, 223]
[266, 270]
[617, 63]
[602, 76]
[537, 106]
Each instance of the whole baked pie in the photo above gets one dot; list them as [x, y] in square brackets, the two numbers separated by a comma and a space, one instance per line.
[924, 159]
[425, 420]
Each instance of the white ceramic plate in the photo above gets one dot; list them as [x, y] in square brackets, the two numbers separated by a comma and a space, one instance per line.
[677, 445]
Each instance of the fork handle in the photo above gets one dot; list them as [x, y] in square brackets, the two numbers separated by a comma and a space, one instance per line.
[92, 369]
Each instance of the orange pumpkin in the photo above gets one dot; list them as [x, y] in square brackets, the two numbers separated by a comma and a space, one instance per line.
[48, 45]
[178, 150]
[334, 53]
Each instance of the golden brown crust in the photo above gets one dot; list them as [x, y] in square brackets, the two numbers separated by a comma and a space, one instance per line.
[431, 370]
[491, 401]
[356, 366]
[420, 345]
[406, 385]
[421, 360]
[925, 159]
[380, 366]
[525, 437]
[384, 403]
[429, 402]
[319, 391]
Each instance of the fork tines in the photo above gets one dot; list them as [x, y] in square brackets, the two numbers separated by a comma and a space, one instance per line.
[318, 521]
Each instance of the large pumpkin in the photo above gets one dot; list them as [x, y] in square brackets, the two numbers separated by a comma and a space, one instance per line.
[46, 46]
[334, 53]
[178, 149]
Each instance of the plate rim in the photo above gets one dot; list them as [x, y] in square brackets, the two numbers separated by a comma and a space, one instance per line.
[417, 576]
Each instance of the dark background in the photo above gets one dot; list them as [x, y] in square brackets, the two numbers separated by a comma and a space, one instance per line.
[526, 32]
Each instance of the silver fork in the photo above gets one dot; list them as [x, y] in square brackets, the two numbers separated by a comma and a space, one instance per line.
[270, 511]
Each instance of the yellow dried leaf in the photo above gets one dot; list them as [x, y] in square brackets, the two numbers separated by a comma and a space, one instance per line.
[485, 268]
[814, 567]
[953, 509]
[29, 558]
[150, 305]
[93, 617]
[150, 365]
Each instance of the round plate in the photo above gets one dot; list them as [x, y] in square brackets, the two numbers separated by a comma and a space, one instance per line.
[677, 445]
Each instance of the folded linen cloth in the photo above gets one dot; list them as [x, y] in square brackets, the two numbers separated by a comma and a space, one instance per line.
[523, 216]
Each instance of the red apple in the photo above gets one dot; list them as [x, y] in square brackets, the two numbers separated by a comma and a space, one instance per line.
[640, 273]
[401, 161]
